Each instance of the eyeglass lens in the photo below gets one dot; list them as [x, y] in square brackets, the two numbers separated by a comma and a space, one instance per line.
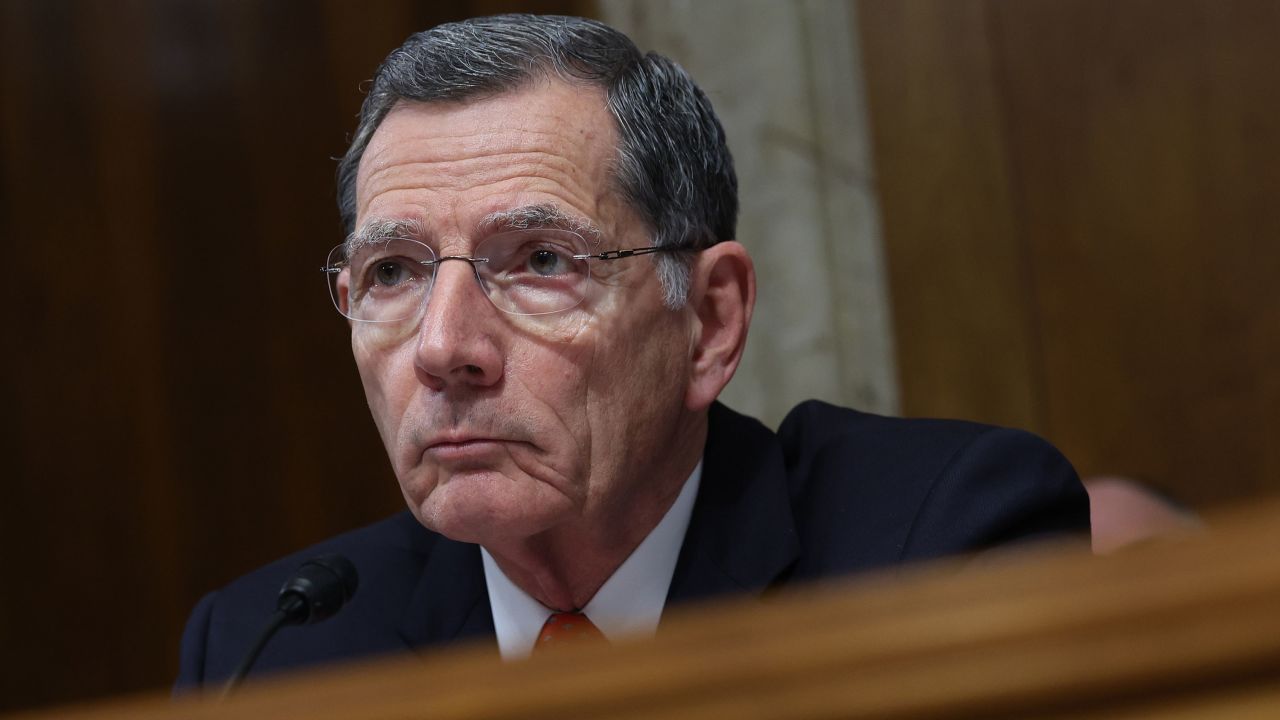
[523, 272]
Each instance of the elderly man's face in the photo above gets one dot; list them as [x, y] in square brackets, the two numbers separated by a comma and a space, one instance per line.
[502, 427]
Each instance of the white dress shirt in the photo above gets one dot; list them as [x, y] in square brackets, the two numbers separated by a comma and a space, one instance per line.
[628, 604]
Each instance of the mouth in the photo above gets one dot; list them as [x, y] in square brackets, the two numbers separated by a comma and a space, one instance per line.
[458, 450]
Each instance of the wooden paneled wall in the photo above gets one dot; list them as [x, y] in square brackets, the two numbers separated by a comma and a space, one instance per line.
[1080, 215]
[178, 396]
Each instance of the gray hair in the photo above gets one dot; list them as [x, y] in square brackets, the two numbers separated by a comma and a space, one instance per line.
[672, 166]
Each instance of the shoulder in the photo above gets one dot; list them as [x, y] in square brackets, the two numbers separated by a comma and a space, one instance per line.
[816, 433]
[815, 426]
[373, 548]
[388, 556]
[916, 488]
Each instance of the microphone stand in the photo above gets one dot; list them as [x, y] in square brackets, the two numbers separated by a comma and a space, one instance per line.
[291, 608]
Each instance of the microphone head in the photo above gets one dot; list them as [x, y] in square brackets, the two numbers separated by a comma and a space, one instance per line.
[318, 589]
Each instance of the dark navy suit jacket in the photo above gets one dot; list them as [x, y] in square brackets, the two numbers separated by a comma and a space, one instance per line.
[834, 492]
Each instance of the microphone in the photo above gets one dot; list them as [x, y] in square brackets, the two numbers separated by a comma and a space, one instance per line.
[317, 591]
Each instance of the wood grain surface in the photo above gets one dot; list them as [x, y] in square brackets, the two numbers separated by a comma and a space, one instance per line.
[1181, 627]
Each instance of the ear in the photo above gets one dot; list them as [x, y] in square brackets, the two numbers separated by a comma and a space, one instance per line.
[721, 297]
[343, 287]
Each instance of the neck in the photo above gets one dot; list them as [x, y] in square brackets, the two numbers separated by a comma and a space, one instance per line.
[564, 567]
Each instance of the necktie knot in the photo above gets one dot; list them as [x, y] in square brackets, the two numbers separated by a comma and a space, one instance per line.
[563, 629]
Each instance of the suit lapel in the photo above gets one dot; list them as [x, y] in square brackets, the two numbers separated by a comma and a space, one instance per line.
[450, 602]
[742, 536]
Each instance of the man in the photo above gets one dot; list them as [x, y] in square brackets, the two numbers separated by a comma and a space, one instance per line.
[545, 300]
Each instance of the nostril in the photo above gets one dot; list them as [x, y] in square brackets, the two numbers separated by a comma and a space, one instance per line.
[474, 370]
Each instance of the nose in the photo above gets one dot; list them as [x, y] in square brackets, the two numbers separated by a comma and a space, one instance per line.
[457, 336]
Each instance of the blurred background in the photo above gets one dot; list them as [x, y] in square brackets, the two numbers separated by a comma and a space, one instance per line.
[1053, 214]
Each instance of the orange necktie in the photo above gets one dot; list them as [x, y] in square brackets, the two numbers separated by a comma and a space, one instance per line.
[565, 629]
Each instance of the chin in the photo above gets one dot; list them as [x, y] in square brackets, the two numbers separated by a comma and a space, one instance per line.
[489, 508]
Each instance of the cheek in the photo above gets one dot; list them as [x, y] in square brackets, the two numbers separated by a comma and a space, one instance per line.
[380, 376]
[554, 369]
[637, 383]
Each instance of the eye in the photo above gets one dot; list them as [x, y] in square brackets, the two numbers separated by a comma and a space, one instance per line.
[546, 262]
[540, 258]
[384, 270]
[390, 273]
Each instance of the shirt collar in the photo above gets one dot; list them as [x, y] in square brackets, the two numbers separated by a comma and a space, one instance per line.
[629, 603]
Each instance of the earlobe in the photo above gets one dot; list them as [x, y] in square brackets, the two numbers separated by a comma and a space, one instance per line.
[722, 297]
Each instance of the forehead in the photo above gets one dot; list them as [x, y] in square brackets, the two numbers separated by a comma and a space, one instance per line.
[550, 142]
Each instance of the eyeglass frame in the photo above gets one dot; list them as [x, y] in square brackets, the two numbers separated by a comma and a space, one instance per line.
[434, 265]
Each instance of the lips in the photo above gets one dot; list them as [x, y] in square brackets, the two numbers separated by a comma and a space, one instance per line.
[460, 443]
[463, 449]
[457, 438]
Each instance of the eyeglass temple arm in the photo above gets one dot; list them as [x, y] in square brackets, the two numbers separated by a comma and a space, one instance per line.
[615, 254]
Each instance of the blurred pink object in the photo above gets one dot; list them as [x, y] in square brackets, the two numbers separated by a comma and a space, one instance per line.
[1124, 512]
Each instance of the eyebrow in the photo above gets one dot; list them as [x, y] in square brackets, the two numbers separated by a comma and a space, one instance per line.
[381, 229]
[543, 215]
[528, 217]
